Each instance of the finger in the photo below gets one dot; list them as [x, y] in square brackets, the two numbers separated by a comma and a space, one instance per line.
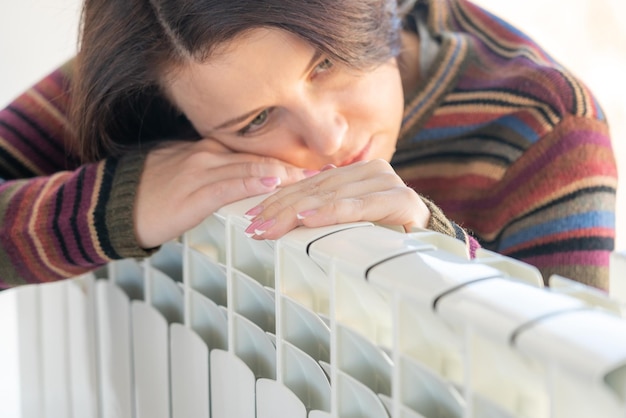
[217, 194]
[395, 205]
[307, 200]
[201, 155]
[338, 211]
[399, 206]
[323, 188]
[202, 176]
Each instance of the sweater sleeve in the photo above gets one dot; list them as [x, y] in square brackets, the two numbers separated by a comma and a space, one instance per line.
[59, 226]
[58, 218]
[440, 223]
[559, 210]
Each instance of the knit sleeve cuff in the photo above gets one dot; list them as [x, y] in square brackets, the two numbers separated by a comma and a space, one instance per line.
[120, 207]
[440, 223]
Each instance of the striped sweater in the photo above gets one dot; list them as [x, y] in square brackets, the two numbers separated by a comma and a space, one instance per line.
[511, 146]
[58, 219]
[503, 139]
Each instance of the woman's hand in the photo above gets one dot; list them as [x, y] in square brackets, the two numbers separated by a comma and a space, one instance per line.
[184, 182]
[364, 191]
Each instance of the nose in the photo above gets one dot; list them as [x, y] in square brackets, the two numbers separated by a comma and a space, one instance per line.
[324, 130]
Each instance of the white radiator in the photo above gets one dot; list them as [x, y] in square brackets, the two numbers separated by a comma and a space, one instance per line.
[347, 321]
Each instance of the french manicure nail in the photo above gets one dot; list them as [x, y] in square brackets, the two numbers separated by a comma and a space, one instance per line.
[261, 229]
[270, 181]
[305, 213]
[328, 167]
[250, 230]
[253, 212]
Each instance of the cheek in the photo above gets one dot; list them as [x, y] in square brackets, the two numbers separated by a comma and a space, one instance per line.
[388, 104]
[276, 144]
[384, 96]
[395, 97]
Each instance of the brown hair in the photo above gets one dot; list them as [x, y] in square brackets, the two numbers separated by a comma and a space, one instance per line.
[127, 47]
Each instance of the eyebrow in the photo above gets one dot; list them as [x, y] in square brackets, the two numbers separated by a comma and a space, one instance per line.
[316, 56]
[239, 119]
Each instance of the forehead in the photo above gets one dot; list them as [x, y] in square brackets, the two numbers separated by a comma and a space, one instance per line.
[259, 45]
[259, 59]
[250, 69]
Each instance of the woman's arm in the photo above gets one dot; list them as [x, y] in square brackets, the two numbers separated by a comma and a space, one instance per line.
[58, 226]
[35, 131]
[53, 222]
[365, 191]
[59, 218]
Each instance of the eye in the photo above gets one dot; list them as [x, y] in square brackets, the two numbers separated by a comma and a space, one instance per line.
[256, 123]
[324, 65]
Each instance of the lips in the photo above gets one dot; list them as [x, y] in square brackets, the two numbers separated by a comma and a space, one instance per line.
[357, 157]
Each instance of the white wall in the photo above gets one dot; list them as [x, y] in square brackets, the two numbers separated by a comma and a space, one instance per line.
[35, 36]
[586, 35]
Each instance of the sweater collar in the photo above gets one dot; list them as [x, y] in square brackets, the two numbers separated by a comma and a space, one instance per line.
[445, 53]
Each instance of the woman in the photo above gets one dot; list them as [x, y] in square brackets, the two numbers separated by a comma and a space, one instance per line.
[181, 107]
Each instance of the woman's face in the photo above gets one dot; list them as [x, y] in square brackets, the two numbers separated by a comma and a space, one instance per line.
[271, 93]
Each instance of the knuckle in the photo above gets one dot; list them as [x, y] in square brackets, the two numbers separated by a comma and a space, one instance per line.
[335, 207]
[248, 187]
[219, 191]
[292, 210]
[345, 191]
[197, 159]
[251, 169]
[268, 161]
[408, 193]
[328, 196]
[380, 164]
[360, 203]
[327, 183]
[293, 172]
[357, 205]
[314, 188]
[276, 206]
[346, 210]
[391, 178]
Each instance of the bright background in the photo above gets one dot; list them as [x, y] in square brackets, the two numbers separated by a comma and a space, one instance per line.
[587, 36]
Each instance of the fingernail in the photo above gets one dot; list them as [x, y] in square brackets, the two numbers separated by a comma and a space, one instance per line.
[261, 229]
[310, 173]
[328, 167]
[270, 181]
[305, 213]
[253, 212]
[252, 227]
